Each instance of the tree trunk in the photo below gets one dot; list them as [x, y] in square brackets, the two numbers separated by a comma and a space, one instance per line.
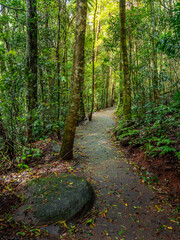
[76, 81]
[107, 87]
[96, 104]
[64, 58]
[120, 81]
[31, 58]
[154, 57]
[93, 61]
[82, 114]
[126, 82]
[9, 144]
[58, 66]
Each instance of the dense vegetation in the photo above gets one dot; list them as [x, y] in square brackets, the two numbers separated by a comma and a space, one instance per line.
[62, 60]
[35, 94]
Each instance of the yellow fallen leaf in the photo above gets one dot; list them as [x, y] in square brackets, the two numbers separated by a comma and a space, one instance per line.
[173, 220]
[159, 209]
[64, 223]
[170, 228]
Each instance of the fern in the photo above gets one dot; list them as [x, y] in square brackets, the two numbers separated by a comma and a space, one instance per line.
[162, 141]
[178, 155]
[165, 149]
[130, 133]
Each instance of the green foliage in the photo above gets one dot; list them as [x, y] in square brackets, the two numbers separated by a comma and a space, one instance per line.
[169, 42]
[169, 45]
[26, 155]
[156, 129]
[151, 124]
[30, 152]
[153, 151]
[23, 166]
[178, 155]
[128, 132]
[148, 177]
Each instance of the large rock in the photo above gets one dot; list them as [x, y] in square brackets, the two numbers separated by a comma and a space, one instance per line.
[56, 198]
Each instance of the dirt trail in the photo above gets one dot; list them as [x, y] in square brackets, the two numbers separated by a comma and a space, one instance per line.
[126, 208]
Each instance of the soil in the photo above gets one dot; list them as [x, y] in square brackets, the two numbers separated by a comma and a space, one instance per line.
[165, 169]
[130, 203]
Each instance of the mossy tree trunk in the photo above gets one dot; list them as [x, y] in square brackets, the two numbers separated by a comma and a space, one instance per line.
[126, 79]
[31, 58]
[76, 81]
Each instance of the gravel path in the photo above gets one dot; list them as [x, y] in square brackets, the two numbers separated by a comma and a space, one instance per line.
[125, 207]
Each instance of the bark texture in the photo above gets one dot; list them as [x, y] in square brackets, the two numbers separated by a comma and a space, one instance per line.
[126, 80]
[76, 81]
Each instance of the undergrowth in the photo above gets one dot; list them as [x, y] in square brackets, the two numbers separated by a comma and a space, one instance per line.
[155, 129]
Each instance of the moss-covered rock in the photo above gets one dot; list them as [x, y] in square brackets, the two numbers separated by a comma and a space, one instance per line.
[57, 198]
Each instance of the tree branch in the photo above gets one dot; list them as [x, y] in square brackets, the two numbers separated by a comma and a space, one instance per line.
[162, 4]
[16, 9]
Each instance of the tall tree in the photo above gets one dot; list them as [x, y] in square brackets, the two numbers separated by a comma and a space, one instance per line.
[31, 57]
[58, 63]
[76, 81]
[154, 56]
[126, 80]
[93, 61]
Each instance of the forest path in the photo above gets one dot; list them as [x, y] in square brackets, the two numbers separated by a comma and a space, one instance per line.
[126, 208]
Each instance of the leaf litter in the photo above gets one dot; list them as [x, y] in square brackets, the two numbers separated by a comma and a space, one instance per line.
[125, 208]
